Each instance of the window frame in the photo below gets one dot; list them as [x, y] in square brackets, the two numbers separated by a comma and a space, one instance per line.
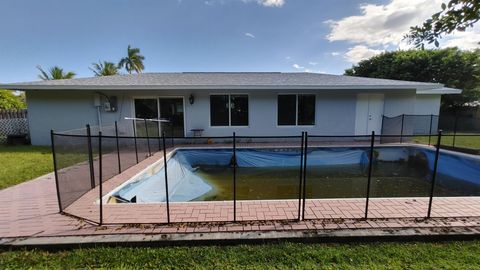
[229, 109]
[296, 109]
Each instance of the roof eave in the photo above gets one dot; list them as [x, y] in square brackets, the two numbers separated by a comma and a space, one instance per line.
[439, 91]
[214, 87]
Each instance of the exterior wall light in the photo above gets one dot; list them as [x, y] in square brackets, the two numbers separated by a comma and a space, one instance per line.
[191, 99]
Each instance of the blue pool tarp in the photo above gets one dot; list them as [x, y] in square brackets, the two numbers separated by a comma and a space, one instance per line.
[273, 157]
[184, 184]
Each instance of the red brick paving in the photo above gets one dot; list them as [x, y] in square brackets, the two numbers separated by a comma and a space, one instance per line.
[31, 209]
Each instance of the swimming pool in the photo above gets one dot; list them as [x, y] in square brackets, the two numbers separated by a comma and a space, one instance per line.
[273, 173]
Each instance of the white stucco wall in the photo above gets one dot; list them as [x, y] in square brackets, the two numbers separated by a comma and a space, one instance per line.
[335, 111]
[427, 104]
[399, 103]
[334, 115]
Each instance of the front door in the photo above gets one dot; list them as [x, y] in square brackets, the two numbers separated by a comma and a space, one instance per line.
[369, 114]
[171, 110]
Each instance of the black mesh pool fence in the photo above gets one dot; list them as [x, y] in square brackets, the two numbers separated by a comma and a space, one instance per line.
[301, 186]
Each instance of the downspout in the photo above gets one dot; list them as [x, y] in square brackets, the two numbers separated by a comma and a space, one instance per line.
[97, 102]
[99, 115]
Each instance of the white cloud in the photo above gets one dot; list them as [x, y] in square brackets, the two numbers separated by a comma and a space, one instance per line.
[383, 25]
[250, 35]
[297, 66]
[360, 52]
[271, 3]
[313, 63]
[211, 2]
[305, 69]
[265, 3]
[314, 71]
[467, 40]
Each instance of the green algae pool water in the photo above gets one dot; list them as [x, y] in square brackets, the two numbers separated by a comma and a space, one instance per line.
[338, 181]
[206, 174]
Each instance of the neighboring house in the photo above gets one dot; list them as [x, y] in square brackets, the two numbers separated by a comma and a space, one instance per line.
[219, 103]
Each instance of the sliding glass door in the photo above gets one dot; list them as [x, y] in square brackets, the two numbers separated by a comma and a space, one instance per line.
[171, 110]
[168, 110]
[146, 108]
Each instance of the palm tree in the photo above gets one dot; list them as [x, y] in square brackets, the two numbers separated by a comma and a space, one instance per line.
[133, 61]
[104, 68]
[55, 73]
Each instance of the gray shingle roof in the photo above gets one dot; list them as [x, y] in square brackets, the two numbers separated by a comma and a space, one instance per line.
[223, 80]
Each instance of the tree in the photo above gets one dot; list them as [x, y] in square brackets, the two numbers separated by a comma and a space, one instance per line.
[133, 61]
[10, 101]
[104, 68]
[451, 67]
[54, 73]
[456, 15]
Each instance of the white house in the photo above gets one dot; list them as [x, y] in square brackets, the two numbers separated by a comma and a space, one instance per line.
[249, 103]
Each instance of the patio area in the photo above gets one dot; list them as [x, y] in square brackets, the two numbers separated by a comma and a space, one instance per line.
[32, 211]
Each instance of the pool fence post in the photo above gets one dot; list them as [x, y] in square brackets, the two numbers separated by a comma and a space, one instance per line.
[381, 129]
[234, 179]
[159, 137]
[100, 172]
[148, 140]
[305, 151]
[118, 148]
[90, 157]
[401, 130]
[171, 131]
[434, 173]
[430, 130]
[369, 180]
[454, 131]
[300, 178]
[135, 139]
[52, 135]
[166, 177]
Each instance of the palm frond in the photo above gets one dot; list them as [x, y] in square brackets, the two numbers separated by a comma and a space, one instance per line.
[104, 68]
[55, 73]
[133, 61]
[43, 75]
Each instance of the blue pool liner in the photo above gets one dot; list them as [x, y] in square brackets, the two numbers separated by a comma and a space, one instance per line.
[460, 166]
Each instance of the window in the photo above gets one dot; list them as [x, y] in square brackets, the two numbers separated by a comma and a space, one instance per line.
[239, 110]
[229, 110]
[296, 110]
[286, 110]
[306, 110]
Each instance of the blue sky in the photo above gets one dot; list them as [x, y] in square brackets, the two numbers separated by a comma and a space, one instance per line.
[205, 35]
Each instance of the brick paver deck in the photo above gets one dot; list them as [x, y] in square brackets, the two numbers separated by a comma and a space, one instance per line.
[31, 209]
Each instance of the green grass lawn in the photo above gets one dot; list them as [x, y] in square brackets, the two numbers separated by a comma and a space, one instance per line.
[471, 142]
[25, 162]
[446, 255]
[22, 163]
